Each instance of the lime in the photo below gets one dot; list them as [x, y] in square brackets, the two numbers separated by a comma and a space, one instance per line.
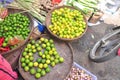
[31, 58]
[35, 64]
[47, 56]
[34, 50]
[24, 53]
[43, 45]
[23, 65]
[39, 48]
[42, 39]
[39, 60]
[26, 68]
[38, 70]
[61, 59]
[43, 73]
[30, 64]
[30, 54]
[33, 47]
[37, 75]
[40, 65]
[45, 65]
[43, 56]
[56, 61]
[52, 58]
[26, 56]
[40, 53]
[50, 52]
[22, 59]
[52, 64]
[27, 61]
[45, 40]
[48, 61]
[29, 45]
[26, 49]
[47, 69]
[51, 41]
[43, 61]
[32, 71]
[37, 45]
[48, 48]
[33, 42]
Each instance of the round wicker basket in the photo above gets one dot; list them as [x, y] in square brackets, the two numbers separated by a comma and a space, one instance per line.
[58, 72]
[48, 22]
[12, 11]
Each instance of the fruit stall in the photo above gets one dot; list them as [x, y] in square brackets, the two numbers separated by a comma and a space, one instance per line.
[55, 39]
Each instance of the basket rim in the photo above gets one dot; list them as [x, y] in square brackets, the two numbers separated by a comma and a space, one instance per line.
[64, 39]
[25, 41]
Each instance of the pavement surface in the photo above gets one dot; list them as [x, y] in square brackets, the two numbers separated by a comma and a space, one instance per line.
[109, 70]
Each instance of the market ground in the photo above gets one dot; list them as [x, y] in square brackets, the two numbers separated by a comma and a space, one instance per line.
[109, 70]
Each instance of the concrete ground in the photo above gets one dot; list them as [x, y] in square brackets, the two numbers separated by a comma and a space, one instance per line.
[109, 70]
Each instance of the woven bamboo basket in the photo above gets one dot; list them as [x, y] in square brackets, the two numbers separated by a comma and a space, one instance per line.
[12, 11]
[48, 22]
[60, 71]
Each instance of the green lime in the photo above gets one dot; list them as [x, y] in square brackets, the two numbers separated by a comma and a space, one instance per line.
[51, 41]
[31, 58]
[37, 75]
[32, 71]
[26, 68]
[52, 64]
[24, 53]
[37, 45]
[38, 70]
[48, 48]
[27, 61]
[43, 56]
[43, 73]
[39, 60]
[22, 59]
[56, 61]
[61, 59]
[29, 45]
[30, 64]
[40, 53]
[43, 61]
[26, 49]
[45, 65]
[48, 61]
[30, 54]
[34, 50]
[33, 42]
[47, 69]
[48, 56]
[39, 48]
[44, 45]
[23, 65]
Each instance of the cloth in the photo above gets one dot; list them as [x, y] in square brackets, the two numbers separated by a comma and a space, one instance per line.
[6, 1]
[6, 72]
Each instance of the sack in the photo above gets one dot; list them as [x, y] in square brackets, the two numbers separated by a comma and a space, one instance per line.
[6, 72]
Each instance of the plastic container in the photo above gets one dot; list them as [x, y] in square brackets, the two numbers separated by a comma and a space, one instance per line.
[80, 67]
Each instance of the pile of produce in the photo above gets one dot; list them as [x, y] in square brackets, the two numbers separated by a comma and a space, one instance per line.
[87, 6]
[42, 64]
[67, 23]
[78, 74]
[13, 30]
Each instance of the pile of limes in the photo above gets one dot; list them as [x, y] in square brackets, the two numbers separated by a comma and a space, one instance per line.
[14, 25]
[67, 23]
[48, 57]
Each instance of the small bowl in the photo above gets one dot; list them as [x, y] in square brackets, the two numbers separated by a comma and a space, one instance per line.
[48, 22]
